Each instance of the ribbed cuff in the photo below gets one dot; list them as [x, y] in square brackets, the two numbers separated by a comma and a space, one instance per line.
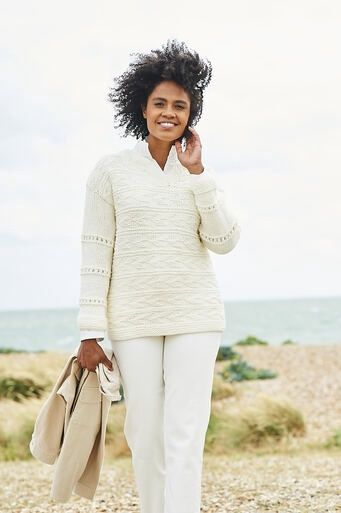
[203, 182]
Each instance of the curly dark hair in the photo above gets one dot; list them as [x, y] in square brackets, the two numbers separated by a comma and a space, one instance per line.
[174, 61]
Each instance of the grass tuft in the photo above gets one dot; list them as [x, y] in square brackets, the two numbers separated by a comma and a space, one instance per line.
[334, 441]
[18, 389]
[241, 371]
[15, 445]
[222, 389]
[251, 341]
[226, 353]
[269, 421]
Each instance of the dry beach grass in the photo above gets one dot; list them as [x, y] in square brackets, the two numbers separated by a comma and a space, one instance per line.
[309, 376]
[297, 476]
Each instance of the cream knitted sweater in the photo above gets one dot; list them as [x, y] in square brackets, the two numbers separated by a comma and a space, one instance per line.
[145, 264]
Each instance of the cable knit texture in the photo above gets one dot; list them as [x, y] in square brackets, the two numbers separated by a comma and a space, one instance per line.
[145, 264]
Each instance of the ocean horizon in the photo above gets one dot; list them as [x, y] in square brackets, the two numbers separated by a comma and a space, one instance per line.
[306, 321]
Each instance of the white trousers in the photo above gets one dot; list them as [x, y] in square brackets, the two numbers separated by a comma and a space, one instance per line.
[167, 383]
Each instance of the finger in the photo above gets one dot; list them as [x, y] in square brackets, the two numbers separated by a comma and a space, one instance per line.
[178, 147]
[108, 363]
[195, 134]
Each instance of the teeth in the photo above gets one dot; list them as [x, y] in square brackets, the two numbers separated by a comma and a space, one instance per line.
[167, 124]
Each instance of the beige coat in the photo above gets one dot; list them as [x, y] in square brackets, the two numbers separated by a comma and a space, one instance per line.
[70, 428]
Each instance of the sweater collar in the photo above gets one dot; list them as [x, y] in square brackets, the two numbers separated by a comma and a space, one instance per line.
[142, 148]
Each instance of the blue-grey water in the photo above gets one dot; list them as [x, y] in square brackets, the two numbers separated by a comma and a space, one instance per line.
[313, 321]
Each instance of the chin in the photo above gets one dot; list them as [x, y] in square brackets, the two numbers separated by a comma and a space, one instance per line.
[172, 137]
[166, 137]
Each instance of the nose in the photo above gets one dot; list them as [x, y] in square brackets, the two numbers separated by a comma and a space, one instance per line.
[168, 112]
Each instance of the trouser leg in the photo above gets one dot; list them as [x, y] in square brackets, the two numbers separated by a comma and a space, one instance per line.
[189, 361]
[140, 361]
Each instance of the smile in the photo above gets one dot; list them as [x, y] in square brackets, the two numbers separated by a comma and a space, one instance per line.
[167, 124]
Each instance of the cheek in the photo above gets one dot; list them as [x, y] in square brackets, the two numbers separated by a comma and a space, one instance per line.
[185, 118]
[152, 114]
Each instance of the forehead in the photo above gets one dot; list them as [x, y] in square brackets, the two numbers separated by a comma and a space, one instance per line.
[170, 90]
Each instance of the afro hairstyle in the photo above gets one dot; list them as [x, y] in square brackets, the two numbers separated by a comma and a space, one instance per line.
[175, 62]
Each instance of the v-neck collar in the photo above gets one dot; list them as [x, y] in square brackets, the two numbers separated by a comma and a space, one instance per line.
[142, 148]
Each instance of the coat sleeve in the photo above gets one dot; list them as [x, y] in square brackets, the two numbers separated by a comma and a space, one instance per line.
[219, 229]
[97, 248]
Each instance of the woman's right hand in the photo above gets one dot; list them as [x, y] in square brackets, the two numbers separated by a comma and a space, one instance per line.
[90, 354]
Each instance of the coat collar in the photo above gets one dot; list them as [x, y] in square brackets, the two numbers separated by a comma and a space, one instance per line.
[109, 380]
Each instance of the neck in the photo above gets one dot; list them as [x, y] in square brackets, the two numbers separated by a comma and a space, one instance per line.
[159, 150]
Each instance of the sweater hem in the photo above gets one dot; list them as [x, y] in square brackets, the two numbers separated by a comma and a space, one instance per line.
[165, 329]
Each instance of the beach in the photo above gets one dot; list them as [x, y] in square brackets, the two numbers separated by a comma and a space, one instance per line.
[301, 483]
[298, 474]
[309, 376]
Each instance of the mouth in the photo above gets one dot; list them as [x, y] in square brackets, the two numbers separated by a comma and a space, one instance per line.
[167, 124]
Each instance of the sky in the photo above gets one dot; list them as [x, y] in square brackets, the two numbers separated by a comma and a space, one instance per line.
[270, 127]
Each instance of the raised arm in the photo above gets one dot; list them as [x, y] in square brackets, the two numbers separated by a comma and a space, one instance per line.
[219, 230]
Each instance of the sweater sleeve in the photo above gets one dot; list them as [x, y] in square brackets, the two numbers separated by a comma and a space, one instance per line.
[219, 229]
[88, 334]
[97, 247]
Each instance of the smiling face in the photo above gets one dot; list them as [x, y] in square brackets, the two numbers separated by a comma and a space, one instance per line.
[167, 111]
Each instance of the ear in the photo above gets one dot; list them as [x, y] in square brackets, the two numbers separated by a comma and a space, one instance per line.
[143, 108]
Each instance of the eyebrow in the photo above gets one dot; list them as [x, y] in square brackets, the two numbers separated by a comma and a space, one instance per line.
[176, 101]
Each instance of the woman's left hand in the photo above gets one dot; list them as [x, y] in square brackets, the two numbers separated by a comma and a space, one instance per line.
[191, 157]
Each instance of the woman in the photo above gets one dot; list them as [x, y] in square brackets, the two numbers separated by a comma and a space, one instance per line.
[151, 214]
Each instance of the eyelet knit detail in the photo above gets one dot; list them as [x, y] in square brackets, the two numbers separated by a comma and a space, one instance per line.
[221, 239]
[95, 270]
[208, 208]
[146, 267]
[92, 301]
[98, 240]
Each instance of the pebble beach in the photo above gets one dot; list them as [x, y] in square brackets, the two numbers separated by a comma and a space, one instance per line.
[304, 483]
[302, 478]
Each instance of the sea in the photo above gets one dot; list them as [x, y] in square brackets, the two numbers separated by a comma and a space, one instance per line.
[306, 321]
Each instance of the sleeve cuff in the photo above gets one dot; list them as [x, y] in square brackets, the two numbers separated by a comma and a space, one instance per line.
[203, 182]
[97, 334]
